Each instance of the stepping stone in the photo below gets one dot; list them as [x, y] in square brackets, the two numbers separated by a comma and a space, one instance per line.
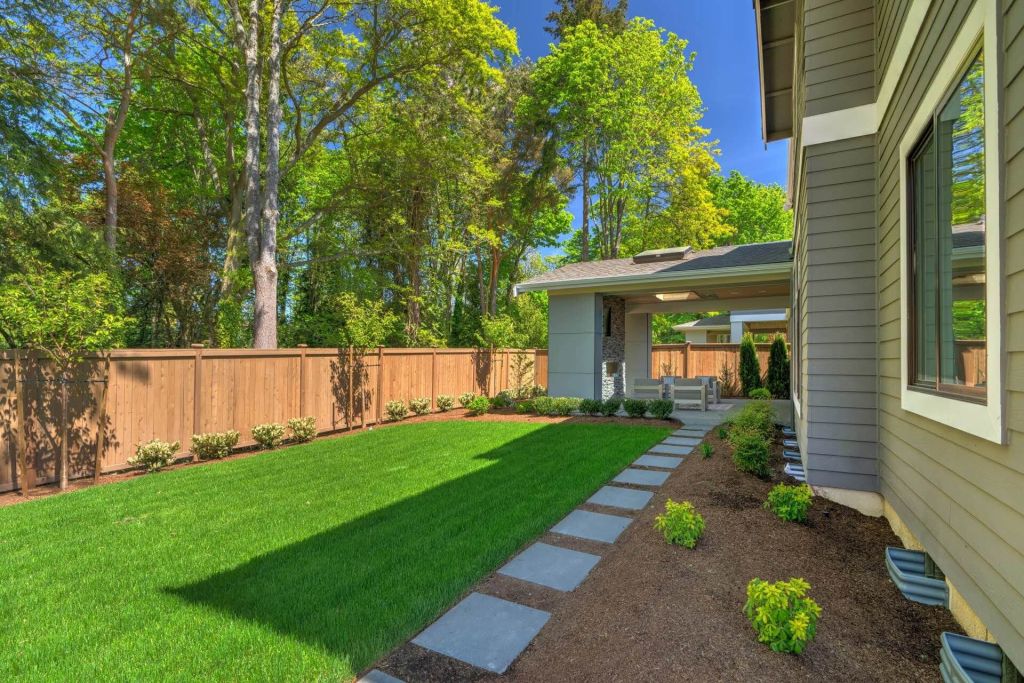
[617, 497]
[593, 526]
[692, 433]
[378, 676]
[672, 450]
[658, 461]
[641, 477]
[551, 566]
[680, 441]
[484, 631]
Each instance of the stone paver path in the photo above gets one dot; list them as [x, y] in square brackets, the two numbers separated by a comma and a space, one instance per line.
[666, 449]
[641, 477]
[551, 566]
[378, 676]
[593, 526]
[688, 441]
[618, 497]
[658, 461]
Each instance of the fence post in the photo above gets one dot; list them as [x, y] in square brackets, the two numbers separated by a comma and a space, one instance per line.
[302, 379]
[508, 376]
[101, 418]
[197, 393]
[20, 442]
[686, 360]
[350, 416]
[433, 379]
[380, 383]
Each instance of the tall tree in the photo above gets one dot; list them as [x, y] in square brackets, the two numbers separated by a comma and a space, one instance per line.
[756, 212]
[571, 13]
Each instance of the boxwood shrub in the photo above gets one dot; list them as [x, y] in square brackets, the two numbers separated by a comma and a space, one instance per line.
[750, 453]
[635, 407]
[590, 406]
[661, 408]
[478, 405]
[610, 406]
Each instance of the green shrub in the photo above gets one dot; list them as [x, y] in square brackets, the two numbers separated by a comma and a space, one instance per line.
[761, 394]
[478, 405]
[661, 408]
[783, 616]
[681, 524]
[790, 503]
[750, 453]
[706, 450]
[503, 399]
[610, 406]
[215, 445]
[525, 407]
[445, 402]
[269, 435]
[303, 429]
[723, 432]
[590, 406]
[635, 407]
[777, 381]
[543, 405]
[564, 405]
[465, 398]
[750, 366]
[538, 390]
[395, 410]
[419, 406]
[154, 455]
[756, 418]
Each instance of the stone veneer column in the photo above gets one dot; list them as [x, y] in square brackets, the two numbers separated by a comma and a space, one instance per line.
[613, 347]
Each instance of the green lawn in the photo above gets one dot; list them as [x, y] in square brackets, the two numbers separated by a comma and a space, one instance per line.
[305, 563]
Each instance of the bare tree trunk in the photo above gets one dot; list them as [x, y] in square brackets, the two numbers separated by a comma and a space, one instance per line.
[63, 477]
[113, 126]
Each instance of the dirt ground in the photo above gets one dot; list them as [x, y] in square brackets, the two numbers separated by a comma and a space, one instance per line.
[654, 612]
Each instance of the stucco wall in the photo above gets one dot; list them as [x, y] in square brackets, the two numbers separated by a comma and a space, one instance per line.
[574, 344]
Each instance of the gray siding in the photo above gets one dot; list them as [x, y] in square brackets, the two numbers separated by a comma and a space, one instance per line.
[889, 16]
[574, 345]
[962, 497]
[839, 54]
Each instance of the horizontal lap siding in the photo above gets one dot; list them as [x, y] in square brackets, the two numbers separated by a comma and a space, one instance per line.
[889, 16]
[839, 55]
[839, 202]
[962, 497]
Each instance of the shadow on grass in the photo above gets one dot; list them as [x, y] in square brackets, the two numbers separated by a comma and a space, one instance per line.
[359, 589]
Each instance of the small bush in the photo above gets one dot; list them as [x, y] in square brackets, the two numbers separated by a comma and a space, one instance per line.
[269, 435]
[750, 366]
[564, 405]
[790, 503]
[706, 450]
[543, 405]
[154, 455]
[635, 407]
[723, 432]
[590, 406]
[465, 398]
[610, 406]
[681, 524]
[445, 402]
[761, 394]
[479, 405]
[303, 429]
[396, 410]
[756, 418]
[503, 399]
[777, 381]
[750, 453]
[661, 408]
[783, 616]
[419, 406]
[538, 391]
[525, 407]
[215, 445]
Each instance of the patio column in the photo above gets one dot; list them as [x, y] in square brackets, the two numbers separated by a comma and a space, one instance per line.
[736, 331]
[638, 348]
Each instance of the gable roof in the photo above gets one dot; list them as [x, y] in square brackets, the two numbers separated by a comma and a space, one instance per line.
[713, 321]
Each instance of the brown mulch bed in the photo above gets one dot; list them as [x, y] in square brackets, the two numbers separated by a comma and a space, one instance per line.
[503, 415]
[654, 612]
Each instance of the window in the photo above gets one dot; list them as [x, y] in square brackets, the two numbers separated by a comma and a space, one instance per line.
[947, 280]
[795, 352]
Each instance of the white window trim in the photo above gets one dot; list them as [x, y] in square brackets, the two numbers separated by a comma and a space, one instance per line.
[985, 421]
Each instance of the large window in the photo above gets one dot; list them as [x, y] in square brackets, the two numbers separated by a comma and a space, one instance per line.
[947, 293]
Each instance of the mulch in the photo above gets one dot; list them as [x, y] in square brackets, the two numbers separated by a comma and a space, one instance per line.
[654, 612]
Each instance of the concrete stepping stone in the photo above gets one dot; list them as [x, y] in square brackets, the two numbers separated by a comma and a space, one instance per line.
[551, 566]
[658, 461]
[593, 526]
[680, 441]
[641, 477]
[617, 497]
[378, 676]
[484, 631]
[692, 433]
[665, 449]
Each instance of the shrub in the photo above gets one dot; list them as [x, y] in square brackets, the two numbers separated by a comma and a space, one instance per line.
[681, 524]
[269, 435]
[723, 432]
[445, 402]
[214, 445]
[750, 453]
[543, 405]
[154, 455]
[590, 406]
[756, 418]
[728, 382]
[465, 398]
[635, 407]
[564, 405]
[395, 410]
[790, 503]
[661, 408]
[610, 406]
[303, 429]
[706, 450]
[761, 394]
[503, 399]
[419, 406]
[777, 381]
[525, 407]
[783, 616]
[538, 390]
[750, 366]
[479, 405]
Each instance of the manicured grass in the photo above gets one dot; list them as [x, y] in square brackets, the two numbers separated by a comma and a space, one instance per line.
[305, 563]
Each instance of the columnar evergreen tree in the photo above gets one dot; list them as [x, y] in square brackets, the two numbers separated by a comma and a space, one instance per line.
[750, 366]
[777, 380]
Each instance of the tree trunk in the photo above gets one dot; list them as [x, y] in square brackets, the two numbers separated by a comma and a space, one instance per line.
[113, 126]
[585, 246]
[63, 477]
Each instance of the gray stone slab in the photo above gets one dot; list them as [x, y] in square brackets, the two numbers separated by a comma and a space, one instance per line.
[484, 631]
[658, 461]
[378, 676]
[641, 477]
[693, 433]
[593, 526]
[664, 449]
[618, 497]
[551, 566]
[681, 441]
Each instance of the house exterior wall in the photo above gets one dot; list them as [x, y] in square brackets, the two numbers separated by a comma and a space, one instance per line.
[638, 347]
[839, 56]
[613, 347]
[574, 344]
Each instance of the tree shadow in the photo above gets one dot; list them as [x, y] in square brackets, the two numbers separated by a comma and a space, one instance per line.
[350, 387]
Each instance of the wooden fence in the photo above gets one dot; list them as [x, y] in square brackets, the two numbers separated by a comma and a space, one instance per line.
[693, 360]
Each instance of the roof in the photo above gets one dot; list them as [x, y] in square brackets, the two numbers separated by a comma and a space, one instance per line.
[713, 321]
[626, 269]
[776, 22]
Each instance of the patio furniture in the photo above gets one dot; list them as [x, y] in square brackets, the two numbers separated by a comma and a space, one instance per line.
[714, 388]
[647, 388]
[689, 393]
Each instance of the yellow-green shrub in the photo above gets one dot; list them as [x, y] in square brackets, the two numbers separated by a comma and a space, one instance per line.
[783, 616]
[154, 455]
[303, 429]
[214, 445]
[269, 435]
[681, 524]
[790, 503]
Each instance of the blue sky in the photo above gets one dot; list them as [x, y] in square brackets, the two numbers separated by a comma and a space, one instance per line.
[723, 35]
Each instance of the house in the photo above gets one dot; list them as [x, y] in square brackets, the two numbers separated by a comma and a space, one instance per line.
[904, 280]
[729, 328]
